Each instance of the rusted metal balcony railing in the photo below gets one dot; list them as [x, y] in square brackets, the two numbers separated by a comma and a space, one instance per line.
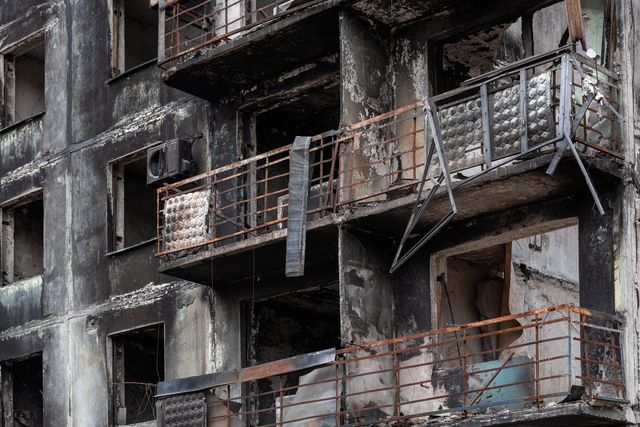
[556, 354]
[514, 113]
[188, 25]
[250, 197]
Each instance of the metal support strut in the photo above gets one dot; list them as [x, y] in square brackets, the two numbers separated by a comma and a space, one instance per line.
[565, 132]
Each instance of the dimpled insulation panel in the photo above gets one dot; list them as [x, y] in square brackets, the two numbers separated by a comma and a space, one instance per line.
[540, 120]
[186, 220]
[462, 134]
[461, 123]
[185, 410]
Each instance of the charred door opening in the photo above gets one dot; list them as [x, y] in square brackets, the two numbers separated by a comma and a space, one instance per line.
[285, 326]
[485, 283]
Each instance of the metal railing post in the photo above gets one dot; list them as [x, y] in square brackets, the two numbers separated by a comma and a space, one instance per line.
[162, 16]
[487, 148]
[538, 401]
[524, 137]
[564, 119]
[569, 350]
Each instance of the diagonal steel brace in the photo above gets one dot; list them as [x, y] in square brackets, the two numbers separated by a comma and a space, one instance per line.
[561, 149]
[436, 141]
[592, 189]
[568, 142]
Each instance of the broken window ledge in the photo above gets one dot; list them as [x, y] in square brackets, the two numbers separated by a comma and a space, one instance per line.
[23, 121]
[34, 281]
[132, 247]
[131, 70]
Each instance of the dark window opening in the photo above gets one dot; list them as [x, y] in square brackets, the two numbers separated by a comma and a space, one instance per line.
[480, 51]
[134, 203]
[289, 325]
[138, 366]
[312, 113]
[474, 54]
[22, 392]
[24, 81]
[22, 242]
[135, 34]
[273, 127]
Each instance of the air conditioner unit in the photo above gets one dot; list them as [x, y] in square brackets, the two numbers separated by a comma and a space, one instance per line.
[170, 161]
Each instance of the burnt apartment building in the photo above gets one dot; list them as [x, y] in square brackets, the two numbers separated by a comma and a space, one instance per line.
[319, 212]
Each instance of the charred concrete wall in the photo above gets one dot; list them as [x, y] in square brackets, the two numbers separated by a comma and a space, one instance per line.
[85, 294]
[88, 293]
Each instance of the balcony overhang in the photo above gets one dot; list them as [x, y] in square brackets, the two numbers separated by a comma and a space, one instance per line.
[446, 18]
[502, 136]
[255, 256]
[217, 68]
[569, 415]
[525, 183]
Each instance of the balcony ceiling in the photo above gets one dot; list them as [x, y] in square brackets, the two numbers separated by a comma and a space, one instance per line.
[445, 18]
[262, 53]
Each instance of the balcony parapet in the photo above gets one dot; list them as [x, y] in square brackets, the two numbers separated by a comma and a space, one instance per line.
[189, 25]
[517, 113]
[546, 357]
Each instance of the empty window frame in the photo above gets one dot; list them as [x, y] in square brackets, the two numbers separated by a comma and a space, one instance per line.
[21, 239]
[22, 78]
[21, 392]
[133, 203]
[275, 125]
[138, 366]
[134, 34]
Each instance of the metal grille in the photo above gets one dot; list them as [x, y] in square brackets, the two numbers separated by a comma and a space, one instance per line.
[186, 410]
[186, 219]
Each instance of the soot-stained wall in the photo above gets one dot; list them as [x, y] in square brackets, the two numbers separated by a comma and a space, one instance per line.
[85, 294]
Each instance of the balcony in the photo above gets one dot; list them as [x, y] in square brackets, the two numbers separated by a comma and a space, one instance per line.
[502, 129]
[559, 365]
[203, 42]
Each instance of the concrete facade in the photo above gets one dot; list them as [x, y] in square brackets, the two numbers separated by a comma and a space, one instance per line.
[230, 306]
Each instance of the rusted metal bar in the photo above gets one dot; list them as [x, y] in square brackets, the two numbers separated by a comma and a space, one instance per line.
[465, 376]
[587, 359]
[537, 400]
[450, 329]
